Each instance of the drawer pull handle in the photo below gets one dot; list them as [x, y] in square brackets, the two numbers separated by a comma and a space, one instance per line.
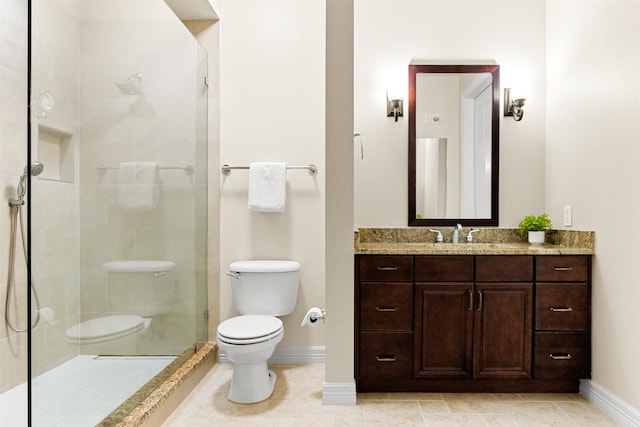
[561, 309]
[387, 268]
[562, 268]
[386, 358]
[387, 309]
[565, 356]
[470, 300]
[479, 301]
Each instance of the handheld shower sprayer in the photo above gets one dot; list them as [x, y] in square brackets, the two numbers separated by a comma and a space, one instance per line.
[35, 170]
[15, 205]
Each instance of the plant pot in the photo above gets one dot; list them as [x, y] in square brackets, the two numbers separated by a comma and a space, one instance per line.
[536, 237]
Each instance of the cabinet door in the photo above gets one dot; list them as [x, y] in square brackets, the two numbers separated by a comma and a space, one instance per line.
[503, 330]
[443, 328]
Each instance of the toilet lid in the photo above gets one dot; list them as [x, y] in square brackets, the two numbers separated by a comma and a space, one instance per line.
[249, 329]
[105, 327]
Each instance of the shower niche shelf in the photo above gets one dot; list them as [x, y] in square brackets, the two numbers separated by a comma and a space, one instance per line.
[56, 151]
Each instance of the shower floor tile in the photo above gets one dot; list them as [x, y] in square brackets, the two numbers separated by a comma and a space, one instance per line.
[80, 392]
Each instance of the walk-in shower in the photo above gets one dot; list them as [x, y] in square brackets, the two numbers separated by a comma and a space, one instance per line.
[114, 228]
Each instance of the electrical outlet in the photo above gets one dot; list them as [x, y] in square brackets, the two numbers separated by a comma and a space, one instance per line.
[568, 216]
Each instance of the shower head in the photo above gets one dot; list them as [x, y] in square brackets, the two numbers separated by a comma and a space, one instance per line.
[36, 168]
[132, 85]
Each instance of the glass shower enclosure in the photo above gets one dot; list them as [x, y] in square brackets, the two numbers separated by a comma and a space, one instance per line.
[117, 217]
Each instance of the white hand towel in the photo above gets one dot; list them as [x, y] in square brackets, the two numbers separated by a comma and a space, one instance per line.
[267, 186]
[138, 190]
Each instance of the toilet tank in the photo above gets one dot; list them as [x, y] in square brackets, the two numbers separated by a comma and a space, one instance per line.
[267, 287]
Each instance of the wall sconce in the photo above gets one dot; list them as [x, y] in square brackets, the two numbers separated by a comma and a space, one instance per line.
[513, 107]
[394, 107]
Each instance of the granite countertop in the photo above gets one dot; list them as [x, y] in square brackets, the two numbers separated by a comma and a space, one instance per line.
[488, 241]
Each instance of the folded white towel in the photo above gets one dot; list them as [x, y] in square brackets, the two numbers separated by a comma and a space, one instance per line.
[267, 186]
[138, 190]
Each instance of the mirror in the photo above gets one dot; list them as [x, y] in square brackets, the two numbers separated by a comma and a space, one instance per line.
[453, 144]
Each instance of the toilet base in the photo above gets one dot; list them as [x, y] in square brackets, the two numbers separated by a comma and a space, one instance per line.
[251, 383]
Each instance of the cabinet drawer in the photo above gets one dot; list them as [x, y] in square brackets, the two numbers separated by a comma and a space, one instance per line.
[386, 268]
[561, 355]
[565, 268]
[385, 355]
[504, 268]
[562, 307]
[452, 268]
[386, 306]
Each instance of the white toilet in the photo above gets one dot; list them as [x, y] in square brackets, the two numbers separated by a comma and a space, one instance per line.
[261, 290]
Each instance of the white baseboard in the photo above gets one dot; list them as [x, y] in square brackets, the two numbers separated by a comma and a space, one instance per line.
[290, 356]
[610, 404]
[339, 393]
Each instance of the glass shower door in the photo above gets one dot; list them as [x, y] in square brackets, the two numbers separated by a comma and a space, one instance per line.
[118, 215]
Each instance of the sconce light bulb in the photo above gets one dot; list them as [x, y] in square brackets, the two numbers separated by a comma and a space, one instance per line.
[394, 108]
[513, 107]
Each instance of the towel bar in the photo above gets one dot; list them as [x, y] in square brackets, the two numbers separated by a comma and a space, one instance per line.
[312, 169]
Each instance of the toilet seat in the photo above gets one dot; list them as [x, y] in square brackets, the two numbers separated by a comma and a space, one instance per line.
[106, 328]
[249, 329]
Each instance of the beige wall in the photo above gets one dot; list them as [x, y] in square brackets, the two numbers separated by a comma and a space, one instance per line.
[339, 205]
[272, 109]
[592, 153]
[388, 35]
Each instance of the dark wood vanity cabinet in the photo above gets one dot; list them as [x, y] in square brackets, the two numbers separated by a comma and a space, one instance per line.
[472, 322]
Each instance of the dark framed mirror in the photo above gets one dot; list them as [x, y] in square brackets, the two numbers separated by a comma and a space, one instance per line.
[454, 140]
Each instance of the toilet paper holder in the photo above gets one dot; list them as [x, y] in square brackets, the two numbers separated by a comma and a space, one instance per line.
[313, 315]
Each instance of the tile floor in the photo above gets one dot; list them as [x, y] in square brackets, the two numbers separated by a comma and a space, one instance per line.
[297, 401]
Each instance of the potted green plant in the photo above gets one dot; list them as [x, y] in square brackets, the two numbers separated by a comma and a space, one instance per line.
[534, 227]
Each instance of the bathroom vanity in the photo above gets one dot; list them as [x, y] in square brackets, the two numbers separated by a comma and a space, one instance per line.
[481, 317]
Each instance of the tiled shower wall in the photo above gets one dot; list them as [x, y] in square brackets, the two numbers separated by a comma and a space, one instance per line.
[56, 36]
[13, 155]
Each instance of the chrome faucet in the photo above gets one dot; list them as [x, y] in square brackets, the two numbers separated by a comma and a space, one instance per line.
[470, 235]
[456, 233]
[439, 238]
